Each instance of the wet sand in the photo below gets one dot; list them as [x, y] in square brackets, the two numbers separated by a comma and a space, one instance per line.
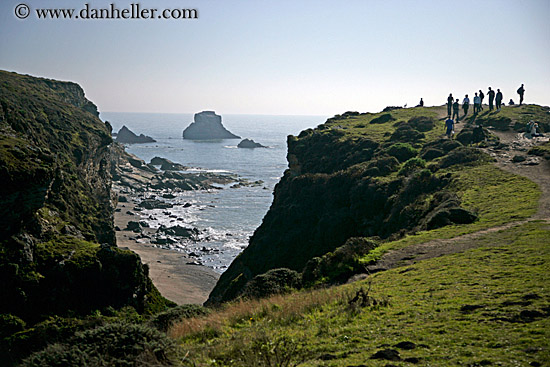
[175, 279]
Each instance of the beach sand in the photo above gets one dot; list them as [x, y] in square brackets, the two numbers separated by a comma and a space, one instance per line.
[175, 279]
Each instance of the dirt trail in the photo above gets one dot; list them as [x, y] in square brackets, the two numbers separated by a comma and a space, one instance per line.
[535, 169]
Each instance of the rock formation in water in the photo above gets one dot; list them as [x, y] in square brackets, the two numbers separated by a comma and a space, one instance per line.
[207, 126]
[126, 136]
[249, 143]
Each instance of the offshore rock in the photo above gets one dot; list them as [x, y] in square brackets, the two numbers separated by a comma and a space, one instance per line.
[207, 126]
[249, 143]
[126, 136]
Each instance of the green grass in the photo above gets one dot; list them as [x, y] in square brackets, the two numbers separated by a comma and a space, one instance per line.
[496, 196]
[360, 126]
[460, 309]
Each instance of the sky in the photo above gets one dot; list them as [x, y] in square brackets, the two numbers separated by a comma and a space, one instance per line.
[286, 57]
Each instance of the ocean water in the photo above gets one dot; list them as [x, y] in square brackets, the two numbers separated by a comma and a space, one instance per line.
[226, 217]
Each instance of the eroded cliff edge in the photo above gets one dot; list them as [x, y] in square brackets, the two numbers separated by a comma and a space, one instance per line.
[362, 179]
[57, 242]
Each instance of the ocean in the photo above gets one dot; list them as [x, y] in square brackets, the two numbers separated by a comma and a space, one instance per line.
[226, 217]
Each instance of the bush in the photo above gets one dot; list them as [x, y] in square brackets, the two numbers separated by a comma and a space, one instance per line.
[275, 281]
[422, 123]
[412, 165]
[164, 320]
[116, 344]
[402, 151]
[464, 155]
[405, 133]
[10, 324]
[338, 266]
[384, 164]
[382, 119]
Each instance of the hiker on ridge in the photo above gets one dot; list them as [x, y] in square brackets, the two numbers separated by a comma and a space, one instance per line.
[455, 110]
[421, 103]
[521, 91]
[477, 104]
[466, 104]
[449, 124]
[498, 99]
[491, 94]
[450, 100]
[481, 96]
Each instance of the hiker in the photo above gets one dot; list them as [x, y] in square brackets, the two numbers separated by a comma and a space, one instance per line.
[491, 94]
[481, 96]
[533, 127]
[511, 103]
[521, 91]
[456, 107]
[421, 103]
[477, 104]
[449, 124]
[466, 104]
[498, 99]
[450, 100]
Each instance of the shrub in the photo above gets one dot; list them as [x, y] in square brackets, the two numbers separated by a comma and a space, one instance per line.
[382, 119]
[412, 165]
[384, 164]
[402, 151]
[10, 324]
[275, 281]
[464, 155]
[338, 266]
[115, 344]
[422, 123]
[405, 133]
[164, 320]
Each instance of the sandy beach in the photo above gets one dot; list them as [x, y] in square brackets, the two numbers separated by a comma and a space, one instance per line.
[175, 279]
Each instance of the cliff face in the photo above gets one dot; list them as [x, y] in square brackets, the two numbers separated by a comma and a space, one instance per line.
[55, 205]
[344, 183]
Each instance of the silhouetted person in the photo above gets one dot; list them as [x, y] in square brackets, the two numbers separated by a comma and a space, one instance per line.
[456, 107]
[521, 91]
[477, 104]
[498, 99]
[450, 125]
[450, 100]
[511, 103]
[491, 94]
[421, 103]
[481, 96]
[466, 104]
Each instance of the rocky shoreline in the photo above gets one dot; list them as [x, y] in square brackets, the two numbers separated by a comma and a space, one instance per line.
[150, 193]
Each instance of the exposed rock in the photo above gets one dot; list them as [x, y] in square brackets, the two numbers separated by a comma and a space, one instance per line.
[179, 231]
[126, 136]
[167, 165]
[248, 143]
[154, 204]
[207, 126]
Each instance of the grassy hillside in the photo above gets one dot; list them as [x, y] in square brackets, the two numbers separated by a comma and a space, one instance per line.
[488, 306]
[383, 176]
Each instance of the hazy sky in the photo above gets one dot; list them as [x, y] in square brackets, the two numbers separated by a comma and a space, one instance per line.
[319, 57]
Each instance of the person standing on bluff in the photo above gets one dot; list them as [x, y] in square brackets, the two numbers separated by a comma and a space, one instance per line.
[491, 94]
[450, 100]
[481, 96]
[521, 91]
[450, 125]
[498, 99]
[456, 107]
[477, 104]
[466, 104]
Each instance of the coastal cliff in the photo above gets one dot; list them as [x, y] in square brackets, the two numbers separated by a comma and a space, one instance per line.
[58, 254]
[375, 177]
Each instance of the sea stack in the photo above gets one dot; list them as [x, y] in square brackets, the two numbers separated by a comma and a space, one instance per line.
[250, 144]
[126, 136]
[207, 126]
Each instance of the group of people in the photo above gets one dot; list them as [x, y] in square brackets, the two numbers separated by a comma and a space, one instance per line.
[495, 101]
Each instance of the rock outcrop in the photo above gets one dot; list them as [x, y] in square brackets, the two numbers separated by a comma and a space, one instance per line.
[207, 126]
[250, 144]
[58, 254]
[127, 136]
